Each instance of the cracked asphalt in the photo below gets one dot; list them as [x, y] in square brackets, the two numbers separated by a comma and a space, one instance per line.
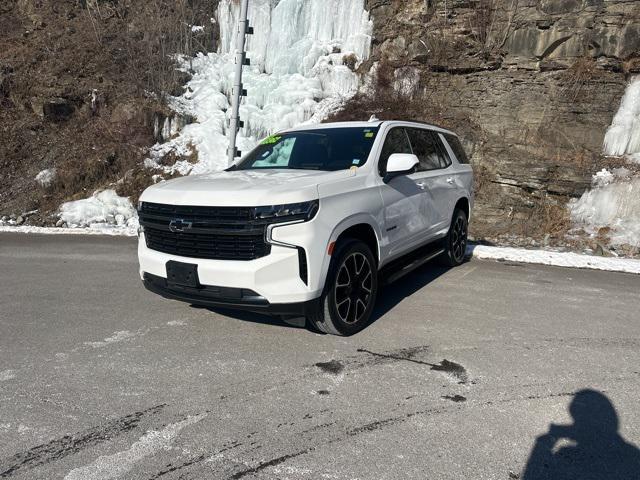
[467, 373]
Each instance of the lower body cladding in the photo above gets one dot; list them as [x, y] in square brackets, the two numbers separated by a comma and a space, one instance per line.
[277, 284]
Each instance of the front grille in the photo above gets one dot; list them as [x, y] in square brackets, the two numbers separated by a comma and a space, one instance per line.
[214, 233]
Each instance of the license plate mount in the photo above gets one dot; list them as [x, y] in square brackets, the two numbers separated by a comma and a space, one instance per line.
[182, 274]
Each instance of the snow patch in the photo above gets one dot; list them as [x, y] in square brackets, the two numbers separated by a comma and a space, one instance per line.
[558, 259]
[115, 338]
[623, 136]
[613, 202]
[119, 464]
[297, 75]
[176, 323]
[7, 375]
[46, 177]
[91, 230]
[104, 209]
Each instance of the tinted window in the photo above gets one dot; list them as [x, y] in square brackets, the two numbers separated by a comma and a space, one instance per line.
[396, 142]
[456, 145]
[445, 154]
[426, 148]
[325, 149]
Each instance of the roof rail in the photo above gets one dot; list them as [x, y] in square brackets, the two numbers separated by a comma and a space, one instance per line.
[427, 123]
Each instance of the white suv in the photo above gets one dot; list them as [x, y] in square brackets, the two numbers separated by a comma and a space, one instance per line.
[310, 223]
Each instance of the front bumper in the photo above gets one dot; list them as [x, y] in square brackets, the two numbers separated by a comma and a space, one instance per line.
[276, 278]
[222, 297]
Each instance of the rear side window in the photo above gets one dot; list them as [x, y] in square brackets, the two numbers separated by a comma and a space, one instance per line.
[426, 147]
[396, 142]
[456, 145]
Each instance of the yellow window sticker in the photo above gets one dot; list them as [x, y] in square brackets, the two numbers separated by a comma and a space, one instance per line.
[273, 139]
[368, 135]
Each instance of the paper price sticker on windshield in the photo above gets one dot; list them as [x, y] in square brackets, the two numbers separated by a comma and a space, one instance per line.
[273, 139]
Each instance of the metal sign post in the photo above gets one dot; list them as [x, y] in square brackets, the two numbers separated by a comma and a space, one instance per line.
[238, 92]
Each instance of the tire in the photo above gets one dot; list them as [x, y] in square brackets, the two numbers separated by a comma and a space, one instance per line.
[350, 292]
[455, 243]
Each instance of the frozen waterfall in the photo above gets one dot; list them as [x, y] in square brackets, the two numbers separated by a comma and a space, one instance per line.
[298, 75]
[623, 136]
[613, 202]
[614, 199]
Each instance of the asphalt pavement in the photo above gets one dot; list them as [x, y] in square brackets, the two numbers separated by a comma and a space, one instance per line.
[487, 371]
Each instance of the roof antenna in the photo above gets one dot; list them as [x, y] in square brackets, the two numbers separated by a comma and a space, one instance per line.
[374, 118]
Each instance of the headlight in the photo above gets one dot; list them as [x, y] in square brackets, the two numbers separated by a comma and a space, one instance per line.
[304, 211]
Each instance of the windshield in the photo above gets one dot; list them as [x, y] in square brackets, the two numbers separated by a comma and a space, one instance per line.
[326, 149]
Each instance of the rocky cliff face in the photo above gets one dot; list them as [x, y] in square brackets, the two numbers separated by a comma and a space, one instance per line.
[531, 86]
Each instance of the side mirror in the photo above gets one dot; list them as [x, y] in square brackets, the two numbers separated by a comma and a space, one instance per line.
[400, 164]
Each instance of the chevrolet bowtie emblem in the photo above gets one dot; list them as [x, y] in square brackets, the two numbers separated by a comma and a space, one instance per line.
[179, 225]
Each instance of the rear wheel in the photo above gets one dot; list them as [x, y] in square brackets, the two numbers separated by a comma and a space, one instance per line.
[350, 292]
[456, 239]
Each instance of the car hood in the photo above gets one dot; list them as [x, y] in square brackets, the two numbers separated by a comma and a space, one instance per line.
[244, 188]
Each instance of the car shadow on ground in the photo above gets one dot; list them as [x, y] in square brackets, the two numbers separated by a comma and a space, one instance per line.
[589, 449]
[251, 317]
[389, 296]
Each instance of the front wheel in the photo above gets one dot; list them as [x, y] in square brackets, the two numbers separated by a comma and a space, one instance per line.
[455, 242]
[350, 292]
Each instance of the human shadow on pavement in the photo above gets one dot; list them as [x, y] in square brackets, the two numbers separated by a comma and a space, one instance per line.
[592, 448]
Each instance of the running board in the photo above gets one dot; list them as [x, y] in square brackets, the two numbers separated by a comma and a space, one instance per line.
[410, 267]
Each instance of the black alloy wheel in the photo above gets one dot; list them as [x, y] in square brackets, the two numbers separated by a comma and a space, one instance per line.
[455, 243]
[459, 239]
[350, 293]
[353, 288]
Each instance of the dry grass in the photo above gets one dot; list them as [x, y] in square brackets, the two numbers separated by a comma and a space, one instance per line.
[66, 49]
[554, 218]
[577, 76]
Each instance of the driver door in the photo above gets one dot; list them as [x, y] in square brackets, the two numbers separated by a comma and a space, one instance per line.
[405, 209]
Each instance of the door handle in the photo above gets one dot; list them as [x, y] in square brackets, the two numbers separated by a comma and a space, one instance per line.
[450, 180]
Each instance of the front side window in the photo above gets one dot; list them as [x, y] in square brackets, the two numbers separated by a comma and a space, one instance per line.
[426, 148]
[323, 149]
[396, 142]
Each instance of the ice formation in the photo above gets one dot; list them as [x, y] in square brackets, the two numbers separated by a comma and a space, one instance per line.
[614, 202]
[45, 177]
[103, 208]
[301, 53]
[623, 136]
[614, 199]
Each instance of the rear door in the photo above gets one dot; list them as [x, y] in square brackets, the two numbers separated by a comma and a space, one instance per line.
[435, 178]
[462, 167]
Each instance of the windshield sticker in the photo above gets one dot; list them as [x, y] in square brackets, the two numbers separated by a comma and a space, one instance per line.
[355, 161]
[368, 134]
[273, 139]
